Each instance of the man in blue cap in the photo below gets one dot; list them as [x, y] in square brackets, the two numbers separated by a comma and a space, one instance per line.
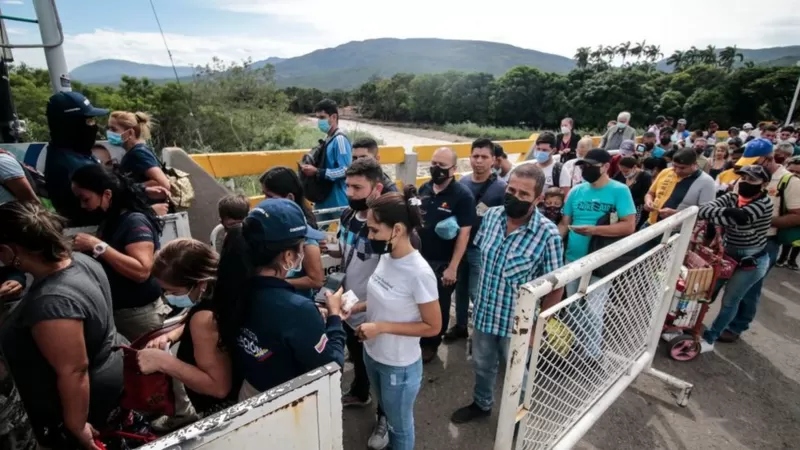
[73, 131]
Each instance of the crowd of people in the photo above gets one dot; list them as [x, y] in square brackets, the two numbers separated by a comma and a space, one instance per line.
[253, 314]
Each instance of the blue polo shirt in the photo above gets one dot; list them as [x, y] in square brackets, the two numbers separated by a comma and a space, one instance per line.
[283, 335]
[60, 164]
[454, 201]
[137, 161]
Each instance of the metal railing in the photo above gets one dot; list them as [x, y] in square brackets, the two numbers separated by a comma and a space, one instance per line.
[590, 347]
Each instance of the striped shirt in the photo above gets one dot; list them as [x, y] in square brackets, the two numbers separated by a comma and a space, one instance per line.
[751, 235]
[509, 261]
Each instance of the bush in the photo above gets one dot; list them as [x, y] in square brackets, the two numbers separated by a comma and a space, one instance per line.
[473, 130]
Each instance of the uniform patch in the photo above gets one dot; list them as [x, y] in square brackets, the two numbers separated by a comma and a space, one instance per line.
[323, 341]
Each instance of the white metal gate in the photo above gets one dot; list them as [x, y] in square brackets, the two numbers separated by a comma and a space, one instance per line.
[590, 347]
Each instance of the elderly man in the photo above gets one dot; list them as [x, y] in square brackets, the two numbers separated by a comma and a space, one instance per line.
[622, 131]
[783, 151]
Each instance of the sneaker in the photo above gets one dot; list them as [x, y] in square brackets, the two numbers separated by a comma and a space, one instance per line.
[165, 424]
[379, 439]
[780, 264]
[793, 266]
[350, 399]
[455, 333]
[728, 337]
[706, 346]
[469, 413]
[428, 354]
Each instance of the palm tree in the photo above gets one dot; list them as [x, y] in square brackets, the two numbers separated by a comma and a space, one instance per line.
[709, 55]
[727, 57]
[623, 50]
[638, 49]
[596, 56]
[676, 60]
[652, 53]
[609, 53]
[691, 56]
[582, 56]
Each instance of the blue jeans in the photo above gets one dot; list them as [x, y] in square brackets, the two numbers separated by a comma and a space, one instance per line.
[467, 284]
[396, 389]
[585, 318]
[741, 297]
[488, 351]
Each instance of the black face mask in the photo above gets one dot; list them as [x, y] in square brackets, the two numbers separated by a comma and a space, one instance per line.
[357, 205]
[591, 173]
[381, 247]
[649, 146]
[439, 174]
[748, 190]
[516, 208]
[666, 141]
[86, 139]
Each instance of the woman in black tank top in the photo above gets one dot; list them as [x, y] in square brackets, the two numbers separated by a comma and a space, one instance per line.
[186, 269]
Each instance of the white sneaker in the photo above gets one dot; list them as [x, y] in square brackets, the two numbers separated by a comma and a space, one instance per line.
[379, 439]
[706, 346]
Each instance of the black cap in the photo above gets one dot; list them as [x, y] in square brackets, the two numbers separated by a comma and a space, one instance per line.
[595, 156]
[72, 104]
[755, 171]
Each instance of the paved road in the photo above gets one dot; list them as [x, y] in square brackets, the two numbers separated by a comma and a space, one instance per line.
[746, 396]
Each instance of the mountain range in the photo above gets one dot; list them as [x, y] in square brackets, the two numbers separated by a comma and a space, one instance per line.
[349, 65]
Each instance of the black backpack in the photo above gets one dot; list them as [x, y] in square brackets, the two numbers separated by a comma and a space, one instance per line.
[317, 188]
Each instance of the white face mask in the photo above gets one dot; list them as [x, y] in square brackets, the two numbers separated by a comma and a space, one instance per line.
[565, 130]
[297, 266]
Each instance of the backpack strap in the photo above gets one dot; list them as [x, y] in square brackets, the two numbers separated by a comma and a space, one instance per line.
[485, 187]
[782, 185]
[557, 174]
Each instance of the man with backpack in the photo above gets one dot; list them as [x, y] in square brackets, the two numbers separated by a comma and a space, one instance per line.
[322, 170]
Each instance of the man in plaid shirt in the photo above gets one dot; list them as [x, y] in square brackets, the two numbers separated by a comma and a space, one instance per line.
[517, 245]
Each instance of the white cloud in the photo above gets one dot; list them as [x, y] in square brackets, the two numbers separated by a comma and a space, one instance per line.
[149, 48]
[13, 2]
[556, 27]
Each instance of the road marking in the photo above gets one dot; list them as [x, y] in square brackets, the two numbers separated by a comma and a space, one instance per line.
[789, 286]
[792, 308]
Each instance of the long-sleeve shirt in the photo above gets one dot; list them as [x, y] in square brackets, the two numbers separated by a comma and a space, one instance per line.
[338, 156]
[748, 235]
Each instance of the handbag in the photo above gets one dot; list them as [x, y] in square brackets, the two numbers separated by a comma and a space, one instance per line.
[598, 242]
[147, 394]
[714, 252]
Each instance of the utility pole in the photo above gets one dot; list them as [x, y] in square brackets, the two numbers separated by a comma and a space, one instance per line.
[53, 40]
[794, 99]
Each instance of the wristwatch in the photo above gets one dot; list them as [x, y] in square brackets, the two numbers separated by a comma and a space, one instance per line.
[99, 249]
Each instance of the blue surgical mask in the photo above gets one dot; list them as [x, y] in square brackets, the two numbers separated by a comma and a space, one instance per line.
[541, 157]
[114, 138]
[324, 125]
[180, 301]
[621, 125]
[447, 229]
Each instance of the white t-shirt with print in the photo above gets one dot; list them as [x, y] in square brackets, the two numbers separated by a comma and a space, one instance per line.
[571, 174]
[394, 292]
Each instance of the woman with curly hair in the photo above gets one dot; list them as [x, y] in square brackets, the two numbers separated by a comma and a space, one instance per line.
[126, 242]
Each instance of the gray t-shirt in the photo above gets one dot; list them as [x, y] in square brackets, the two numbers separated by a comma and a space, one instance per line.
[10, 169]
[490, 197]
[81, 292]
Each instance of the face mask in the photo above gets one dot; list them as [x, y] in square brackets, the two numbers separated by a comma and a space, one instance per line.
[515, 208]
[630, 174]
[650, 145]
[565, 130]
[381, 247]
[621, 125]
[699, 150]
[496, 171]
[179, 301]
[114, 138]
[541, 157]
[324, 125]
[748, 190]
[439, 174]
[779, 159]
[666, 141]
[591, 173]
[553, 213]
[357, 205]
[296, 267]
[86, 139]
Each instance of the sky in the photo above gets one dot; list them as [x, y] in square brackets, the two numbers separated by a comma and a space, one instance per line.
[198, 30]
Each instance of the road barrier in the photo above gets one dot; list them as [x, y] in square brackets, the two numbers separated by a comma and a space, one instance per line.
[590, 347]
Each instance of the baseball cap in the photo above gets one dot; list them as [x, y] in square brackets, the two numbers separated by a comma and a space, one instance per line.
[682, 121]
[747, 126]
[283, 220]
[755, 171]
[72, 104]
[753, 150]
[595, 156]
[627, 147]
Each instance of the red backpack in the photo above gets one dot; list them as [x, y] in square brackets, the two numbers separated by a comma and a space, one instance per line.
[148, 394]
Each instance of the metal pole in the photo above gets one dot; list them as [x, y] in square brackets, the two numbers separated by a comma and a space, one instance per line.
[794, 100]
[49, 29]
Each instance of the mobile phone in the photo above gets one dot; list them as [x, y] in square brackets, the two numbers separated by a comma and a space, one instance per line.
[332, 284]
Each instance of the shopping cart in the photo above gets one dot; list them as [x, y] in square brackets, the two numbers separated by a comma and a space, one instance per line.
[704, 265]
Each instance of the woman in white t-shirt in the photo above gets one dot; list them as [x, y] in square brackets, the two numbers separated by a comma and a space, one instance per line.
[402, 306]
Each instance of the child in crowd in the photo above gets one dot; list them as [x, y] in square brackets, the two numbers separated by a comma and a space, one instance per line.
[232, 210]
[553, 202]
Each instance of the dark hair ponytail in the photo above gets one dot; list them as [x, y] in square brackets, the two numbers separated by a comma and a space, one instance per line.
[393, 208]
